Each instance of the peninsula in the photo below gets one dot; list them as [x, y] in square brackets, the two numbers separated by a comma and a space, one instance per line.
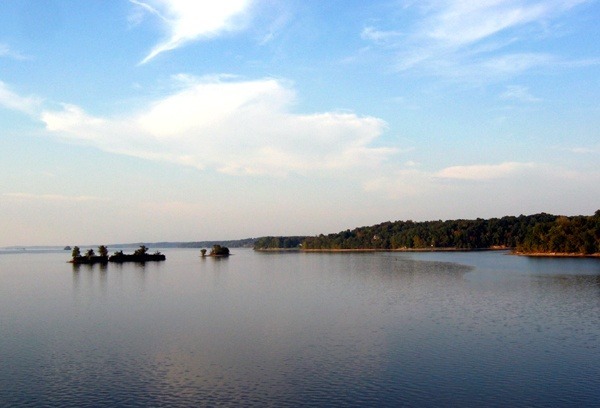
[535, 235]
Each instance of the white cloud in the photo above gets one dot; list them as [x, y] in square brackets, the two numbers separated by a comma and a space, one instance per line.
[518, 93]
[186, 20]
[236, 127]
[11, 100]
[483, 171]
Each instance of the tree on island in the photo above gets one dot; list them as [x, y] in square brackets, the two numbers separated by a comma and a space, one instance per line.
[203, 252]
[218, 250]
[141, 251]
[76, 253]
[103, 250]
[90, 253]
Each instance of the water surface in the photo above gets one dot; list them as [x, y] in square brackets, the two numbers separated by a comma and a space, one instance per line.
[376, 329]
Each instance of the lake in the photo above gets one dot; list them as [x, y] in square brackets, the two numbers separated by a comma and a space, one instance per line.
[300, 329]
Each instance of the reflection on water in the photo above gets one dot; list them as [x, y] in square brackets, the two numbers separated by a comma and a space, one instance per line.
[385, 329]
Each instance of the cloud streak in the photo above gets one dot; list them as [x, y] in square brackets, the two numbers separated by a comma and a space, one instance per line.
[186, 21]
[411, 181]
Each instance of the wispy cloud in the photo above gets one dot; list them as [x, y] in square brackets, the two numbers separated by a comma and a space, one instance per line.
[518, 93]
[455, 35]
[583, 150]
[380, 36]
[7, 52]
[187, 21]
[11, 100]
[233, 126]
[459, 22]
[483, 171]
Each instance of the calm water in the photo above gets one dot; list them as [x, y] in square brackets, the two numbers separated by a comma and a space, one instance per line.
[386, 329]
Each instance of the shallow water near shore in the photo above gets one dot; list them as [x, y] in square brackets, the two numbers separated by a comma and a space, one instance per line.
[310, 329]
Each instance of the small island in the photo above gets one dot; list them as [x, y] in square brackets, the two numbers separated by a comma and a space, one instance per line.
[140, 255]
[216, 251]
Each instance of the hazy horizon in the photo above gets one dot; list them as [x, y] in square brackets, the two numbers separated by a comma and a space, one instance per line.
[174, 121]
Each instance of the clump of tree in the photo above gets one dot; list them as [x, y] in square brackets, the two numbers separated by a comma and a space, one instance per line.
[218, 250]
[505, 232]
[279, 242]
[569, 235]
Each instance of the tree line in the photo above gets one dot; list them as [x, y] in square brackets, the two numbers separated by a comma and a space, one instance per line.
[542, 233]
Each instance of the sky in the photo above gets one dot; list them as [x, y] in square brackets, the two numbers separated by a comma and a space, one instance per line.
[187, 120]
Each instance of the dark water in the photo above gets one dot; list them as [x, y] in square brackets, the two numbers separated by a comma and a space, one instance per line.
[442, 329]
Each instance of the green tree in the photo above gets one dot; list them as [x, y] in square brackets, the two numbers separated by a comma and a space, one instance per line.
[90, 253]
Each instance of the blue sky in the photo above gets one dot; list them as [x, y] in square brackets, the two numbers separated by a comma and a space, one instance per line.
[174, 120]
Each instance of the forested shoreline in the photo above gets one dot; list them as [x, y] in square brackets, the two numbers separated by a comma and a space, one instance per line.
[527, 234]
